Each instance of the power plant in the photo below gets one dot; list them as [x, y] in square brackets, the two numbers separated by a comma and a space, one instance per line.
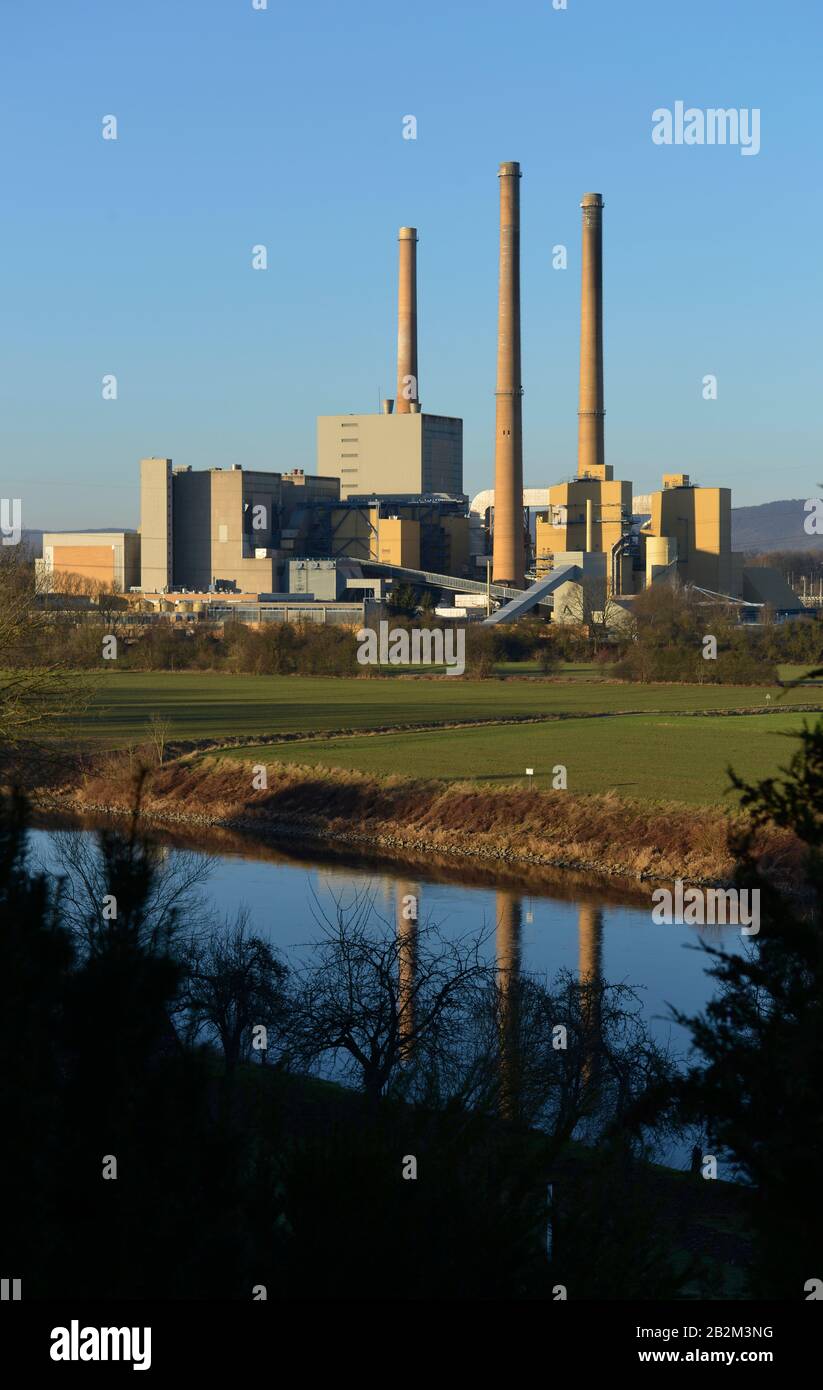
[387, 507]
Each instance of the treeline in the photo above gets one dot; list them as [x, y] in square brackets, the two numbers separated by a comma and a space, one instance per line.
[271, 649]
[676, 636]
[276, 649]
[665, 643]
[794, 565]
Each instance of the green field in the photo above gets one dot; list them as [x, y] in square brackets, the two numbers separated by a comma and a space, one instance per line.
[641, 756]
[206, 706]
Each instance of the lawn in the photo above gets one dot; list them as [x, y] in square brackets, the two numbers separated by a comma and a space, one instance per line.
[205, 706]
[641, 756]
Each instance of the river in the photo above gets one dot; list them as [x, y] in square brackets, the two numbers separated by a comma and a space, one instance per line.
[546, 923]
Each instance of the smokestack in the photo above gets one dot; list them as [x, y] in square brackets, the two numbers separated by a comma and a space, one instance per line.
[508, 453]
[407, 389]
[591, 448]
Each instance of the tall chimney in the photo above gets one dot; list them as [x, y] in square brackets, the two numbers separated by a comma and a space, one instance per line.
[407, 389]
[591, 449]
[508, 559]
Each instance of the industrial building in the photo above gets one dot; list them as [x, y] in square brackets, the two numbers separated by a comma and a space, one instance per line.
[429, 533]
[387, 504]
[401, 451]
[109, 560]
[235, 526]
[412, 454]
[591, 535]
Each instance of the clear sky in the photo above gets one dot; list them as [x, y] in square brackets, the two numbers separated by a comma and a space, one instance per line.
[284, 127]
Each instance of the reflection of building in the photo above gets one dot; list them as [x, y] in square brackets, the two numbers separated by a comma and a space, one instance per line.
[508, 948]
[590, 974]
[590, 944]
[407, 910]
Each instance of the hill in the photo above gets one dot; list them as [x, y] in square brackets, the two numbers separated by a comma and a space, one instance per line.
[773, 526]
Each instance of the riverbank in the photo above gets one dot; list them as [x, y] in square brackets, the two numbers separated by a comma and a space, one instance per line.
[606, 836]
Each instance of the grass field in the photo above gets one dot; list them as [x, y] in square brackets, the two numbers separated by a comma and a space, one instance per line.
[641, 756]
[206, 706]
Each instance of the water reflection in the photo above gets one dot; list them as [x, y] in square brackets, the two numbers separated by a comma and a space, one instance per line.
[407, 906]
[538, 923]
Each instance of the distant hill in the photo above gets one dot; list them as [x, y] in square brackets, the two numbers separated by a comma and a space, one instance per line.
[33, 541]
[773, 526]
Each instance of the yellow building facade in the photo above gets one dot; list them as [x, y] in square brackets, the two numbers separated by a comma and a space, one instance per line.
[587, 513]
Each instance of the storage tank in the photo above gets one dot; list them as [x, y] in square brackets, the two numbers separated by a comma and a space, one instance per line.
[661, 551]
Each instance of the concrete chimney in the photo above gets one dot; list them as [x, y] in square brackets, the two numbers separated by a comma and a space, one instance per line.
[407, 387]
[508, 559]
[591, 449]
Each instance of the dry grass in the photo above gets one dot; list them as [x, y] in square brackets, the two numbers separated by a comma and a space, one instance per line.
[603, 834]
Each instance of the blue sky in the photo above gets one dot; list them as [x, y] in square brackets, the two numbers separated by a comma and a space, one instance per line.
[284, 127]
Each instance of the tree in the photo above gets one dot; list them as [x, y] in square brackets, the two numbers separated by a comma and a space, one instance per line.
[670, 624]
[591, 607]
[159, 732]
[33, 698]
[169, 896]
[383, 1006]
[91, 1070]
[759, 1085]
[236, 983]
[403, 600]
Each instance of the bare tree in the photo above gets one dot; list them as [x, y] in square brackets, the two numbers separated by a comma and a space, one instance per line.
[378, 1010]
[159, 732]
[590, 606]
[174, 878]
[236, 984]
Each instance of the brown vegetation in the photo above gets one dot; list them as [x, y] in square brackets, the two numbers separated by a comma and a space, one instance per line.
[601, 834]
